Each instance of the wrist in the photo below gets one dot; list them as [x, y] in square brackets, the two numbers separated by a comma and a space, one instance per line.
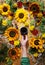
[23, 46]
[24, 51]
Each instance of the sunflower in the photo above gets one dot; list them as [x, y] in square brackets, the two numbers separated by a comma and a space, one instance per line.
[11, 33]
[5, 8]
[21, 15]
[34, 7]
[36, 43]
[14, 53]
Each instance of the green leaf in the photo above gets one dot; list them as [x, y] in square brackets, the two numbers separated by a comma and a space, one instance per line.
[22, 0]
[8, 1]
[41, 6]
[32, 22]
[43, 20]
[33, 0]
[9, 62]
[2, 29]
[2, 58]
[12, 8]
[33, 50]
[1, 17]
[9, 22]
[3, 52]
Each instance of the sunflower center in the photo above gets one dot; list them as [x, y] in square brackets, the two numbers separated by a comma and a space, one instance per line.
[34, 8]
[36, 42]
[21, 15]
[5, 9]
[13, 52]
[12, 33]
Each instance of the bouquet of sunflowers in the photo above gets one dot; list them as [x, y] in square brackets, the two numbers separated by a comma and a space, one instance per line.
[15, 14]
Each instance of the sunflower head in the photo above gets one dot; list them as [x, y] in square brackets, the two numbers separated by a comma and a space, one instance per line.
[5, 9]
[12, 33]
[34, 7]
[36, 43]
[14, 53]
[21, 15]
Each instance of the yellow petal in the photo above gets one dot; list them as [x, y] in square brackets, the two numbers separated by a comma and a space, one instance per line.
[17, 42]
[35, 54]
[40, 14]
[4, 22]
[43, 35]
[26, 23]
[32, 27]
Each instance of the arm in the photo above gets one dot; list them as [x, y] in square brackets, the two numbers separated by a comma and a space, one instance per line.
[23, 47]
[24, 59]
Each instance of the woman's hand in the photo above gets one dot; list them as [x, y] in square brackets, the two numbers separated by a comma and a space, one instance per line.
[23, 41]
[23, 46]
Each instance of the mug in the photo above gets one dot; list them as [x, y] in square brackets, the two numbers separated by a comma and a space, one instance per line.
[24, 31]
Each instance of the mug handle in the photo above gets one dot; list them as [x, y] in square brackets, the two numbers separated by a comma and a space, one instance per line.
[24, 37]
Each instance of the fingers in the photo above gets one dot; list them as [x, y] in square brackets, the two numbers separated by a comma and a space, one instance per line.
[26, 38]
